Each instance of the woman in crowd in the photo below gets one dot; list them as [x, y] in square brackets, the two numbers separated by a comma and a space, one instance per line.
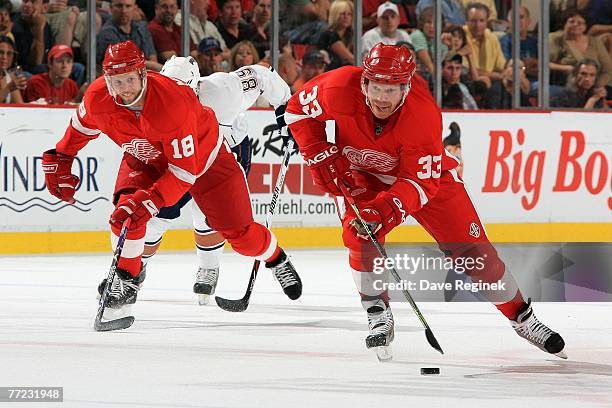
[243, 53]
[338, 39]
[12, 81]
[423, 42]
[571, 45]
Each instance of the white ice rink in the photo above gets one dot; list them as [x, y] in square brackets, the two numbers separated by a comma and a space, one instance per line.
[280, 353]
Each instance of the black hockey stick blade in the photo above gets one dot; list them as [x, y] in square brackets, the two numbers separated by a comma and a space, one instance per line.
[229, 305]
[240, 305]
[117, 324]
[431, 339]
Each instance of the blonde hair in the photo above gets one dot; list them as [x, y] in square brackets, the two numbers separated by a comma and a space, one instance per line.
[337, 7]
[235, 51]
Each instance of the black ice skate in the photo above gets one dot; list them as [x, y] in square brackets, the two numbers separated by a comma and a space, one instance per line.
[380, 322]
[285, 274]
[122, 295]
[139, 280]
[531, 329]
[205, 284]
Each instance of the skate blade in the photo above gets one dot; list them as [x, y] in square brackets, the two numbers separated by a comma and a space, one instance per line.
[384, 353]
[203, 300]
[561, 354]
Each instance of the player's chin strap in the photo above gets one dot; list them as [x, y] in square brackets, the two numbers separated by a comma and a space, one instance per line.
[431, 339]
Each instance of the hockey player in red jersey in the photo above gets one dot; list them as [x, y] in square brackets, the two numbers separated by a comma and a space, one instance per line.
[388, 152]
[171, 146]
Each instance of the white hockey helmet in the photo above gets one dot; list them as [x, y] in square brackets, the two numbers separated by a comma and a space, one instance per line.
[184, 69]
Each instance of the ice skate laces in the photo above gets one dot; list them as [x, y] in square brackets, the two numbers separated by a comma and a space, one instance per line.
[284, 274]
[207, 276]
[379, 321]
[121, 288]
[531, 328]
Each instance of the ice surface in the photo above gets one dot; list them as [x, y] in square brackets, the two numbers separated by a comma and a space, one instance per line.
[279, 353]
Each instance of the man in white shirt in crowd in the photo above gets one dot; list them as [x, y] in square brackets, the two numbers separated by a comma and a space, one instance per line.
[388, 19]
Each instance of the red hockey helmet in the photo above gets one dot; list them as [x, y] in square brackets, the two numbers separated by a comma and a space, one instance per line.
[122, 57]
[392, 64]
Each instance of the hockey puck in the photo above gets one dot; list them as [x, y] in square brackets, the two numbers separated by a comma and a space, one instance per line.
[430, 370]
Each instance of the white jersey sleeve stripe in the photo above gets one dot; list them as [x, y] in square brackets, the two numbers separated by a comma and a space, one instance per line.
[422, 196]
[292, 117]
[182, 174]
[213, 154]
[76, 124]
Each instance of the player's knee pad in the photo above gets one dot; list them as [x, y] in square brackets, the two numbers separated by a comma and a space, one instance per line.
[255, 240]
[200, 224]
[156, 228]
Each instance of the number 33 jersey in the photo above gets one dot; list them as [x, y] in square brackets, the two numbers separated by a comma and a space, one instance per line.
[173, 131]
[403, 154]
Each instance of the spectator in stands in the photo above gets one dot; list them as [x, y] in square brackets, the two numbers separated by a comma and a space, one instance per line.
[287, 69]
[571, 45]
[199, 25]
[338, 39]
[11, 81]
[230, 25]
[599, 15]
[451, 81]
[243, 53]
[488, 57]
[313, 64]
[6, 23]
[504, 101]
[455, 39]
[120, 27]
[387, 30]
[55, 87]
[33, 35]
[209, 56]
[582, 90]
[489, 4]
[166, 34]
[452, 10]
[260, 26]
[529, 44]
[62, 20]
[422, 40]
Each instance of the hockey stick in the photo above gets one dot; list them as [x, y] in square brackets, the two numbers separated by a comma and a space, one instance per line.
[124, 322]
[431, 339]
[240, 305]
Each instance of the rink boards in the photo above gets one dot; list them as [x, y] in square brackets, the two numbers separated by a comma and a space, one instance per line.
[535, 177]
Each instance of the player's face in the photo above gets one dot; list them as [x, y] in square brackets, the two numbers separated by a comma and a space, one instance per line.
[384, 98]
[127, 86]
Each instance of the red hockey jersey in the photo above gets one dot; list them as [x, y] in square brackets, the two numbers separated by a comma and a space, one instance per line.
[172, 132]
[405, 156]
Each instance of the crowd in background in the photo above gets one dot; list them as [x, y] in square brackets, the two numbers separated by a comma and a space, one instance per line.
[43, 44]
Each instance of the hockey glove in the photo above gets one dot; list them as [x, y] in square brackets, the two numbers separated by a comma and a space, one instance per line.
[284, 130]
[58, 175]
[382, 214]
[140, 207]
[328, 167]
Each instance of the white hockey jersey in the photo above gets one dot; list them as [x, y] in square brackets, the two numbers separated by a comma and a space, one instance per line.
[230, 95]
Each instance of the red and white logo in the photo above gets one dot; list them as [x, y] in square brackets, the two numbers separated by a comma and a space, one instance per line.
[370, 159]
[141, 149]
[474, 230]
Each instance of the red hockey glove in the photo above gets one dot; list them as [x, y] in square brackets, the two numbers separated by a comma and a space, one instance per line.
[140, 207]
[382, 214]
[328, 167]
[58, 175]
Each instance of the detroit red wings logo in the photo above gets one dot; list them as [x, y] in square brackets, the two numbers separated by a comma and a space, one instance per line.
[370, 159]
[141, 149]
